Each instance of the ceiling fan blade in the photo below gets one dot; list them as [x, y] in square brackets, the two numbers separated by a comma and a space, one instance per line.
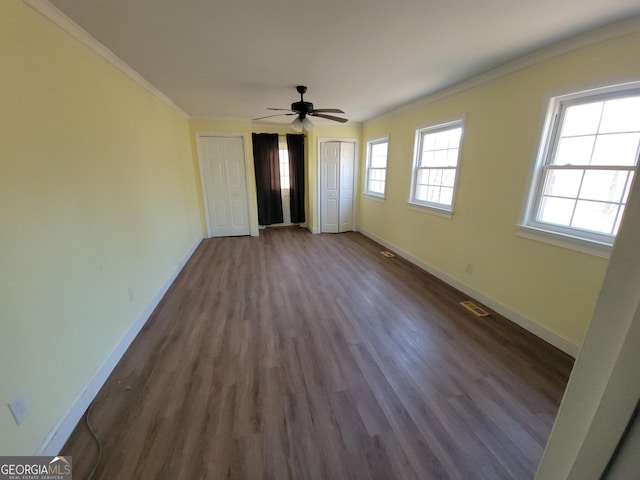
[330, 117]
[285, 109]
[327, 110]
[276, 115]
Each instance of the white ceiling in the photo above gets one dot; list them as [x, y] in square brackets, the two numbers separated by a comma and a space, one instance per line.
[234, 58]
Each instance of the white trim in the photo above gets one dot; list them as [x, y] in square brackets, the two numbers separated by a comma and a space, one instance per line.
[422, 208]
[54, 14]
[582, 40]
[59, 434]
[203, 185]
[253, 226]
[538, 330]
[565, 241]
[371, 196]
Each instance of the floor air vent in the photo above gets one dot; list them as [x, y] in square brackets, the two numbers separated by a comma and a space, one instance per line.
[475, 309]
[387, 254]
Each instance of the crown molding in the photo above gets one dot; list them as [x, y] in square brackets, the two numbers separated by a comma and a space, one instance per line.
[50, 11]
[577, 42]
[274, 123]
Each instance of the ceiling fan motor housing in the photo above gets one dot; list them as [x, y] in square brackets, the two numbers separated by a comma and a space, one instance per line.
[302, 107]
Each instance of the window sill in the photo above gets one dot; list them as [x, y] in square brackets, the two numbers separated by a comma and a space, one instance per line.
[440, 212]
[566, 241]
[373, 196]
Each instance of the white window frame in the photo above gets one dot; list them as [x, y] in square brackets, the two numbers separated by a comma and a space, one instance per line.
[437, 208]
[370, 144]
[569, 237]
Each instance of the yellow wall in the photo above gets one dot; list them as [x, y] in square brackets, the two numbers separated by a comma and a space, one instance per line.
[226, 127]
[100, 192]
[552, 286]
[97, 195]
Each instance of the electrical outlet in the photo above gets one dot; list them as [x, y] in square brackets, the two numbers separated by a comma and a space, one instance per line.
[19, 409]
[132, 294]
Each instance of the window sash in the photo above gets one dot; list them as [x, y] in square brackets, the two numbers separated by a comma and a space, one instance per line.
[580, 199]
[376, 176]
[376, 180]
[436, 193]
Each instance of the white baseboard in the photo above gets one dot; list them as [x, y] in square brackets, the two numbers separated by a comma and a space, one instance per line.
[59, 434]
[517, 318]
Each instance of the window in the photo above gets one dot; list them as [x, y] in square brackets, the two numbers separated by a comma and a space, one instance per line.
[376, 167]
[437, 152]
[588, 159]
[284, 164]
[285, 183]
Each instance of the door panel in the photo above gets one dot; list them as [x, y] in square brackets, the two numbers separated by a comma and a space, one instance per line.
[337, 175]
[347, 161]
[330, 184]
[225, 185]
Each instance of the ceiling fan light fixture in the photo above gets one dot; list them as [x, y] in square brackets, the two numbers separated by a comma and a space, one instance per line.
[296, 125]
[307, 125]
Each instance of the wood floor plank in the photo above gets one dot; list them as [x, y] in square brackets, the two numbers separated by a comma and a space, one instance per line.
[299, 356]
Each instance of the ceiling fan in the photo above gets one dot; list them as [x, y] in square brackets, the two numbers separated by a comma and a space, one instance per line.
[303, 109]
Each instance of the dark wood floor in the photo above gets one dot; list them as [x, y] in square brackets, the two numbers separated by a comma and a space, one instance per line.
[312, 356]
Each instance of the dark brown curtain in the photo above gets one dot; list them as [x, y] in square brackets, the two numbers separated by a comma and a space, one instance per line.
[295, 145]
[267, 165]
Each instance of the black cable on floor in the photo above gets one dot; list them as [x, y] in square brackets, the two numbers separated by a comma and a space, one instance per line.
[86, 419]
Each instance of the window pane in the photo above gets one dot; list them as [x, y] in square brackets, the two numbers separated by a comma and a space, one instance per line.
[284, 169]
[379, 155]
[448, 138]
[421, 193]
[376, 186]
[428, 142]
[595, 216]
[436, 176]
[379, 149]
[449, 177]
[556, 210]
[621, 115]
[440, 159]
[563, 183]
[452, 157]
[582, 119]
[574, 151]
[378, 162]
[427, 159]
[446, 195]
[433, 194]
[423, 176]
[604, 185]
[616, 149]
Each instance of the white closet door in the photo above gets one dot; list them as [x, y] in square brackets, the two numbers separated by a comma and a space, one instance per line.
[337, 174]
[347, 160]
[225, 185]
[330, 187]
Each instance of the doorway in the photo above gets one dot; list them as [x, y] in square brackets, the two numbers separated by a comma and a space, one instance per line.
[224, 185]
[337, 176]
